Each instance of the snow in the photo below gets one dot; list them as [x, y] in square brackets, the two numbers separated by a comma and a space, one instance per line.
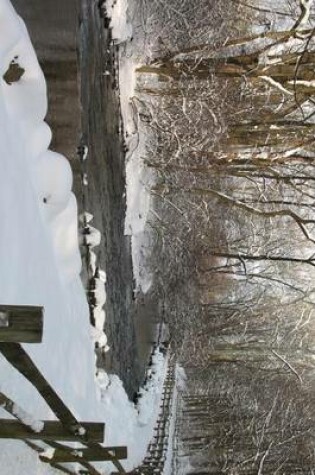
[117, 12]
[180, 384]
[139, 179]
[4, 319]
[40, 265]
[97, 293]
[24, 460]
[168, 464]
[181, 378]
[48, 453]
[27, 419]
[81, 431]
[85, 152]
[93, 236]
[136, 424]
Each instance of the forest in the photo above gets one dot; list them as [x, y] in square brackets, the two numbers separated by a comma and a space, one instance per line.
[226, 100]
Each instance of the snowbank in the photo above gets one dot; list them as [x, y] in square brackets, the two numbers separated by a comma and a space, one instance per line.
[39, 256]
[128, 424]
[139, 179]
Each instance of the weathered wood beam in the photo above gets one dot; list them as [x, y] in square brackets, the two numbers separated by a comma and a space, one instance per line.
[18, 358]
[115, 462]
[93, 455]
[53, 430]
[57, 445]
[21, 324]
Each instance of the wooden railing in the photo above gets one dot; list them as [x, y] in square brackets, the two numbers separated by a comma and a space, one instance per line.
[154, 462]
[25, 324]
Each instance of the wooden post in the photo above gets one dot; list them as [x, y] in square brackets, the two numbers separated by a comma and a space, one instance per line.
[53, 430]
[90, 455]
[21, 324]
[19, 359]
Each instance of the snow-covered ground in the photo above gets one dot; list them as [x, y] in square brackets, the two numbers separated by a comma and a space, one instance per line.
[180, 384]
[40, 265]
[139, 178]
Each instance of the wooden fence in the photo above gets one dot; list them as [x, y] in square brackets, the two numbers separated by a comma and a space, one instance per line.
[24, 324]
[154, 462]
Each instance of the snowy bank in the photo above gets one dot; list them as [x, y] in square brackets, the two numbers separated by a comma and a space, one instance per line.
[139, 179]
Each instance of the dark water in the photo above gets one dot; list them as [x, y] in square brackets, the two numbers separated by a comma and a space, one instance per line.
[105, 169]
[74, 48]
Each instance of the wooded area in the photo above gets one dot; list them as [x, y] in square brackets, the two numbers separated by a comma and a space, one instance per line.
[229, 112]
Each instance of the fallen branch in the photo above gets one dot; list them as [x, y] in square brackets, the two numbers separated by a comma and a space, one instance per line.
[288, 365]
